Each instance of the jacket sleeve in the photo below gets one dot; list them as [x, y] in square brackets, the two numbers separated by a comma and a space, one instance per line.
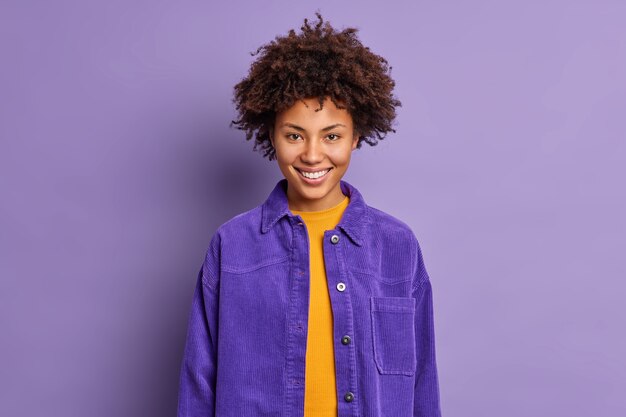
[196, 395]
[426, 397]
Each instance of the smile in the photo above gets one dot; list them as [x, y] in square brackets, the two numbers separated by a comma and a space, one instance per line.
[313, 175]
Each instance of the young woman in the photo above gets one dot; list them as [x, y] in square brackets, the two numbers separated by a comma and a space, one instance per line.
[313, 303]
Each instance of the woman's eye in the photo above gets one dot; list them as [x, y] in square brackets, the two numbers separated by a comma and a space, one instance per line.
[295, 136]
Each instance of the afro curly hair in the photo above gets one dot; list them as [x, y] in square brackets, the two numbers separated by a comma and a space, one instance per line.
[320, 62]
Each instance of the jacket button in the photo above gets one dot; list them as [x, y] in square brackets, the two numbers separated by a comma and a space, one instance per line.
[341, 286]
[345, 340]
[334, 239]
[349, 397]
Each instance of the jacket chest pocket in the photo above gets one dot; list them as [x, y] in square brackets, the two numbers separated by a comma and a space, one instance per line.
[393, 334]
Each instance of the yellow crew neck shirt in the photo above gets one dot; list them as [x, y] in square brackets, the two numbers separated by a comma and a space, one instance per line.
[320, 387]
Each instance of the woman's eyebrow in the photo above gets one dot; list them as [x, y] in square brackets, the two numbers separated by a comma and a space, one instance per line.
[301, 129]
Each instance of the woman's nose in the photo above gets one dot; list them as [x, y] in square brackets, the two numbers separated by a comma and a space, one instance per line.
[313, 151]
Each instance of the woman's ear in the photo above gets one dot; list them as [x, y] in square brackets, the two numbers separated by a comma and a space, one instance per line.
[355, 140]
[270, 131]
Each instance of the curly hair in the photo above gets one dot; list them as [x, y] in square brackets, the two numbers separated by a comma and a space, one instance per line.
[320, 62]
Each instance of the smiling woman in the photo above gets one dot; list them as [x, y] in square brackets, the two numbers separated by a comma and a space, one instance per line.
[313, 148]
[313, 303]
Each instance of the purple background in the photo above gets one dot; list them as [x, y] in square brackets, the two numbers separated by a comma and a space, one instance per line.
[117, 164]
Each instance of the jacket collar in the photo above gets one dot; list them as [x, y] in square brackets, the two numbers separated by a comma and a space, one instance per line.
[353, 220]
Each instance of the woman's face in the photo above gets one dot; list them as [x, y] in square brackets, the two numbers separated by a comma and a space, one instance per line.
[317, 142]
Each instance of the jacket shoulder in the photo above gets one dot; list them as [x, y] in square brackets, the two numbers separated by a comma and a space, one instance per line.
[226, 241]
[241, 231]
[249, 220]
[387, 225]
[396, 242]
[239, 246]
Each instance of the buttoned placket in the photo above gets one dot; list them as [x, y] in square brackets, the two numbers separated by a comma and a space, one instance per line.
[342, 313]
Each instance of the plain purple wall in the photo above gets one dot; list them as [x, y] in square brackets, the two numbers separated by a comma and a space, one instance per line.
[117, 164]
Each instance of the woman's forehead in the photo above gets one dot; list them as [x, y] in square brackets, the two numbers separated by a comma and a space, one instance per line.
[309, 111]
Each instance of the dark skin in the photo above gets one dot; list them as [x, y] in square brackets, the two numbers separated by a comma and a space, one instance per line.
[310, 140]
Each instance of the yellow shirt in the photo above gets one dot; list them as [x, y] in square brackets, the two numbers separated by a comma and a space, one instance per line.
[320, 387]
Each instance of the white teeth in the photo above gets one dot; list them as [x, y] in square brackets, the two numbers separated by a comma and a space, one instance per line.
[314, 175]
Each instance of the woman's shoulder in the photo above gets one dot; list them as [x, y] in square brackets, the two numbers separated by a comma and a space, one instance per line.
[388, 224]
[235, 236]
[245, 221]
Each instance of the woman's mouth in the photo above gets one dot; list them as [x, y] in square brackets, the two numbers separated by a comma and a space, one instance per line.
[313, 177]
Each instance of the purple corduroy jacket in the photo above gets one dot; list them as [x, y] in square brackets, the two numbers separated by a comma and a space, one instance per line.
[246, 340]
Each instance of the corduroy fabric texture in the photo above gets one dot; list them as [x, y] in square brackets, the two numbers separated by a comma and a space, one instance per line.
[245, 350]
